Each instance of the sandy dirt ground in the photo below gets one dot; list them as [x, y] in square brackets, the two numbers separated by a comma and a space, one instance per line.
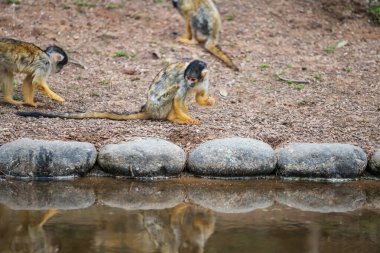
[336, 48]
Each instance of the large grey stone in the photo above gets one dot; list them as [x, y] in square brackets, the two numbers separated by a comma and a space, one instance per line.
[235, 157]
[321, 160]
[142, 158]
[374, 163]
[37, 195]
[41, 158]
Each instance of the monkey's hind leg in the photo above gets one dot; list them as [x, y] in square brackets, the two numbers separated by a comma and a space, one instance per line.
[28, 92]
[7, 87]
[40, 84]
[189, 36]
[215, 50]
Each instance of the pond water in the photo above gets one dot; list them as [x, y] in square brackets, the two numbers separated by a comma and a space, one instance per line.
[189, 215]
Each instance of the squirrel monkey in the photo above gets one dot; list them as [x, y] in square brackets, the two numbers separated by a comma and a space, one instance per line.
[166, 96]
[202, 24]
[22, 57]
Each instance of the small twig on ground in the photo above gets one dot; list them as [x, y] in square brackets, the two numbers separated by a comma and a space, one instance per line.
[289, 80]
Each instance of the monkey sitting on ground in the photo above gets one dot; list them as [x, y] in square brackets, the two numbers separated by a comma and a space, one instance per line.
[166, 96]
[202, 24]
[22, 57]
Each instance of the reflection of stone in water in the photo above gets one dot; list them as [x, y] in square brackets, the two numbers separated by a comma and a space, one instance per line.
[35, 195]
[324, 198]
[184, 228]
[23, 232]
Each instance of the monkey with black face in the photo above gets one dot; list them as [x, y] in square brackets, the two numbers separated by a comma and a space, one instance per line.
[22, 57]
[202, 25]
[166, 98]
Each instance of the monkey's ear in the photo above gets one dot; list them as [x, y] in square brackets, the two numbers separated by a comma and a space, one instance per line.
[204, 73]
[56, 57]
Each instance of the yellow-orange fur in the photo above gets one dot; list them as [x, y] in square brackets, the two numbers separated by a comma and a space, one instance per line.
[166, 98]
[22, 57]
[202, 24]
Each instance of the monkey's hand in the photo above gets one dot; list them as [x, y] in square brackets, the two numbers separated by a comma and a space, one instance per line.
[204, 100]
[210, 101]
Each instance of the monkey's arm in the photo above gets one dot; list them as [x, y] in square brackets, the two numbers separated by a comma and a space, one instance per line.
[39, 83]
[204, 99]
[178, 113]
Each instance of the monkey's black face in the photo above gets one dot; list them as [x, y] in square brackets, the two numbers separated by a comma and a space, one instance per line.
[193, 72]
[59, 57]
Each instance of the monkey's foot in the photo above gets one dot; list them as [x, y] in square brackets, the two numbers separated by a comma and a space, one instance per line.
[59, 99]
[187, 41]
[185, 121]
[13, 102]
[34, 104]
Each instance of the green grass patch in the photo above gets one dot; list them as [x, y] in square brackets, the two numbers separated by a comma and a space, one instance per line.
[95, 94]
[298, 87]
[318, 77]
[330, 49]
[375, 11]
[264, 66]
[12, 1]
[231, 16]
[85, 4]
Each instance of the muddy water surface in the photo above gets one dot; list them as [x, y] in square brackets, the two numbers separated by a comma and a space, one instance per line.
[189, 215]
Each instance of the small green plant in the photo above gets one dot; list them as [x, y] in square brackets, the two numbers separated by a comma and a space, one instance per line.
[330, 49]
[104, 82]
[374, 10]
[264, 66]
[158, 1]
[123, 53]
[347, 69]
[85, 4]
[14, 83]
[232, 45]
[12, 1]
[298, 87]
[111, 6]
[95, 94]
[120, 53]
[318, 77]
[231, 16]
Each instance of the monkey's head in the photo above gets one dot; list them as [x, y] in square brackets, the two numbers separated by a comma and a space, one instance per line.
[58, 57]
[195, 72]
[175, 3]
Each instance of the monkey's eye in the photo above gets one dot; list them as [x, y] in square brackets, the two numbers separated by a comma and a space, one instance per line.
[192, 80]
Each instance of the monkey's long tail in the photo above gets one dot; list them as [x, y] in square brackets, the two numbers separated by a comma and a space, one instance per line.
[86, 115]
[217, 51]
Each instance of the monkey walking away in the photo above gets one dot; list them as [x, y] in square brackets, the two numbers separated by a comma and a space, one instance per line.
[166, 96]
[202, 25]
[22, 57]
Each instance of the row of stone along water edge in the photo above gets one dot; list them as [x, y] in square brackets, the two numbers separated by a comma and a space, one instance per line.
[157, 158]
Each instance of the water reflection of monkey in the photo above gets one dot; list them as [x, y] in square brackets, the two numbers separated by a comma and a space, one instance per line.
[22, 231]
[184, 228]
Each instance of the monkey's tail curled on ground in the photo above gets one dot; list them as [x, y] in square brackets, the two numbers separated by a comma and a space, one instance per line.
[93, 115]
[217, 51]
